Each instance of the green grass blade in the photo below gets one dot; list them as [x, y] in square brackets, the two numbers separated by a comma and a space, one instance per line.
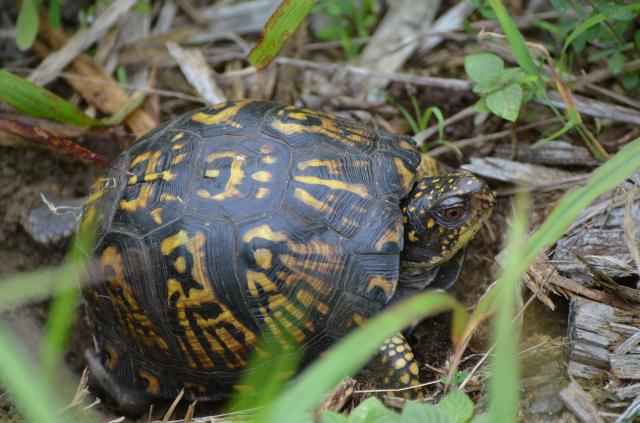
[36, 286]
[353, 352]
[36, 101]
[63, 307]
[520, 51]
[504, 383]
[606, 177]
[34, 397]
[27, 24]
[280, 26]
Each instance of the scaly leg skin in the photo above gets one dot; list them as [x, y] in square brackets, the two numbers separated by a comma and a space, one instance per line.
[398, 368]
[128, 400]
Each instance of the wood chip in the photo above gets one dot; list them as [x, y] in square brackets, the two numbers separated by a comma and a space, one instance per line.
[595, 108]
[54, 63]
[394, 40]
[535, 176]
[580, 403]
[337, 399]
[553, 153]
[195, 68]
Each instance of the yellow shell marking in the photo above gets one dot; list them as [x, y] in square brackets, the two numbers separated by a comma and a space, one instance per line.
[153, 384]
[262, 193]
[197, 297]
[332, 166]
[180, 265]
[258, 278]
[222, 116]
[327, 126]
[387, 285]
[179, 158]
[406, 176]
[236, 175]
[177, 136]
[263, 257]
[156, 215]
[358, 189]
[391, 235]
[262, 176]
[128, 311]
[313, 202]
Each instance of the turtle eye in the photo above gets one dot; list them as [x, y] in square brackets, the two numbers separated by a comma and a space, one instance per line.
[452, 214]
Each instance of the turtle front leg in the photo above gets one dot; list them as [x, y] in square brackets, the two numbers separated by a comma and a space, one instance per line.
[397, 368]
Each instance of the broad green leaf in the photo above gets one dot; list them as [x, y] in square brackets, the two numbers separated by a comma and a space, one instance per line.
[457, 405]
[506, 102]
[415, 412]
[615, 11]
[33, 100]
[631, 80]
[281, 25]
[26, 25]
[359, 347]
[483, 67]
[616, 62]
[560, 6]
[372, 410]
[481, 106]
[333, 417]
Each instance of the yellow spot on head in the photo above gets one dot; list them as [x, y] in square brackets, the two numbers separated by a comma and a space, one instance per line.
[400, 363]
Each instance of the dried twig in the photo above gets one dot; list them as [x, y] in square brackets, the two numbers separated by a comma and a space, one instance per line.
[48, 70]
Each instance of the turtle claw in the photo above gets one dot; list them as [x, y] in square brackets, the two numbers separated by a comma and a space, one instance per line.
[128, 400]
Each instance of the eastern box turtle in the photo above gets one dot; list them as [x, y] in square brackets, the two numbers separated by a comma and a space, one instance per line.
[250, 218]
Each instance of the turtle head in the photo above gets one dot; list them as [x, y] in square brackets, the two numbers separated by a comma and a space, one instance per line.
[441, 216]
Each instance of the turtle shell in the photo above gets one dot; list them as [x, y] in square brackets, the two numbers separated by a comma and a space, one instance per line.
[237, 221]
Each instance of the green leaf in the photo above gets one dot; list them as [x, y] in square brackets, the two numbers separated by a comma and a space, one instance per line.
[516, 40]
[631, 80]
[616, 62]
[281, 25]
[560, 6]
[54, 13]
[359, 347]
[415, 412]
[33, 100]
[616, 11]
[481, 106]
[506, 102]
[27, 24]
[483, 67]
[333, 417]
[372, 410]
[457, 405]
